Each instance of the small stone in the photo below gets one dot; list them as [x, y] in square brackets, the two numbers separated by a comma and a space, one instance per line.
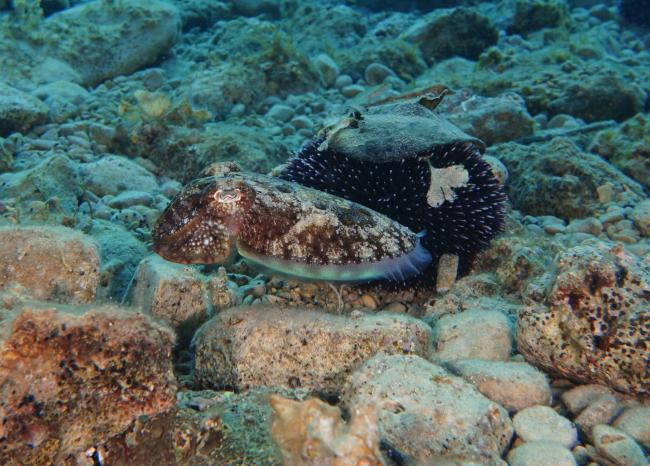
[342, 81]
[641, 217]
[131, 198]
[635, 422]
[376, 73]
[514, 385]
[352, 90]
[541, 453]
[580, 397]
[447, 272]
[170, 188]
[113, 174]
[301, 122]
[327, 68]
[473, 334]
[543, 423]
[554, 228]
[617, 446]
[368, 301]
[588, 225]
[606, 193]
[601, 411]
[280, 112]
[612, 216]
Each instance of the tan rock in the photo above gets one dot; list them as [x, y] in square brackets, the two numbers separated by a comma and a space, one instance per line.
[73, 377]
[313, 433]
[286, 347]
[51, 263]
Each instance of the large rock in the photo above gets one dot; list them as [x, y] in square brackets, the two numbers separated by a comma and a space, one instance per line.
[593, 324]
[456, 32]
[428, 414]
[53, 181]
[71, 378]
[557, 178]
[101, 40]
[246, 347]
[19, 111]
[51, 263]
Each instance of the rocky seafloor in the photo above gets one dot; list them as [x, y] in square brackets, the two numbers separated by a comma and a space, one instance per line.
[110, 355]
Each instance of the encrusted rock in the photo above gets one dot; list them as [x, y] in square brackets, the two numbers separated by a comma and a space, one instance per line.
[557, 178]
[114, 174]
[71, 378]
[473, 334]
[428, 414]
[275, 347]
[312, 432]
[514, 385]
[595, 328]
[543, 423]
[51, 263]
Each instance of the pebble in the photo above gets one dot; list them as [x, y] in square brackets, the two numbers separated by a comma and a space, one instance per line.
[635, 422]
[447, 272]
[641, 217]
[342, 81]
[327, 68]
[376, 73]
[170, 188]
[617, 446]
[580, 397]
[368, 301]
[612, 216]
[554, 228]
[543, 423]
[473, 334]
[541, 453]
[280, 112]
[601, 411]
[352, 90]
[514, 385]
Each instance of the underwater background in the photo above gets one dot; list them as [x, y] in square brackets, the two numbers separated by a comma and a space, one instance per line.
[473, 278]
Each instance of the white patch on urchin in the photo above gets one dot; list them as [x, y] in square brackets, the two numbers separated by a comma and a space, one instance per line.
[443, 183]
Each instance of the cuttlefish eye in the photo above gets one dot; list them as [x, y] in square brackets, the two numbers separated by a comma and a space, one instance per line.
[227, 195]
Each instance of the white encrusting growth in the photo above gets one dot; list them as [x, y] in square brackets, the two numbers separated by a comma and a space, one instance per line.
[443, 183]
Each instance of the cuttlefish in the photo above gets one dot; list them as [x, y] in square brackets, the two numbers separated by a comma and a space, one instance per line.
[286, 228]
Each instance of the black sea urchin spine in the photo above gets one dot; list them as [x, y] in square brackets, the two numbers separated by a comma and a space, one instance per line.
[398, 189]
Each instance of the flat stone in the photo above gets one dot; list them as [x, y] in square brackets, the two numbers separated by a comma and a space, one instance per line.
[52, 263]
[543, 423]
[131, 198]
[601, 411]
[541, 453]
[514, 385]
[276, 347]
[114, 174]
[617, 446]
[428, 414]
[376, 73]
[578, 398]
[352, 90]
[473, 334]
[641, 217]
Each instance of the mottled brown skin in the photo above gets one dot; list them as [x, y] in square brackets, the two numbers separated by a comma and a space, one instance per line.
[213, 216]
